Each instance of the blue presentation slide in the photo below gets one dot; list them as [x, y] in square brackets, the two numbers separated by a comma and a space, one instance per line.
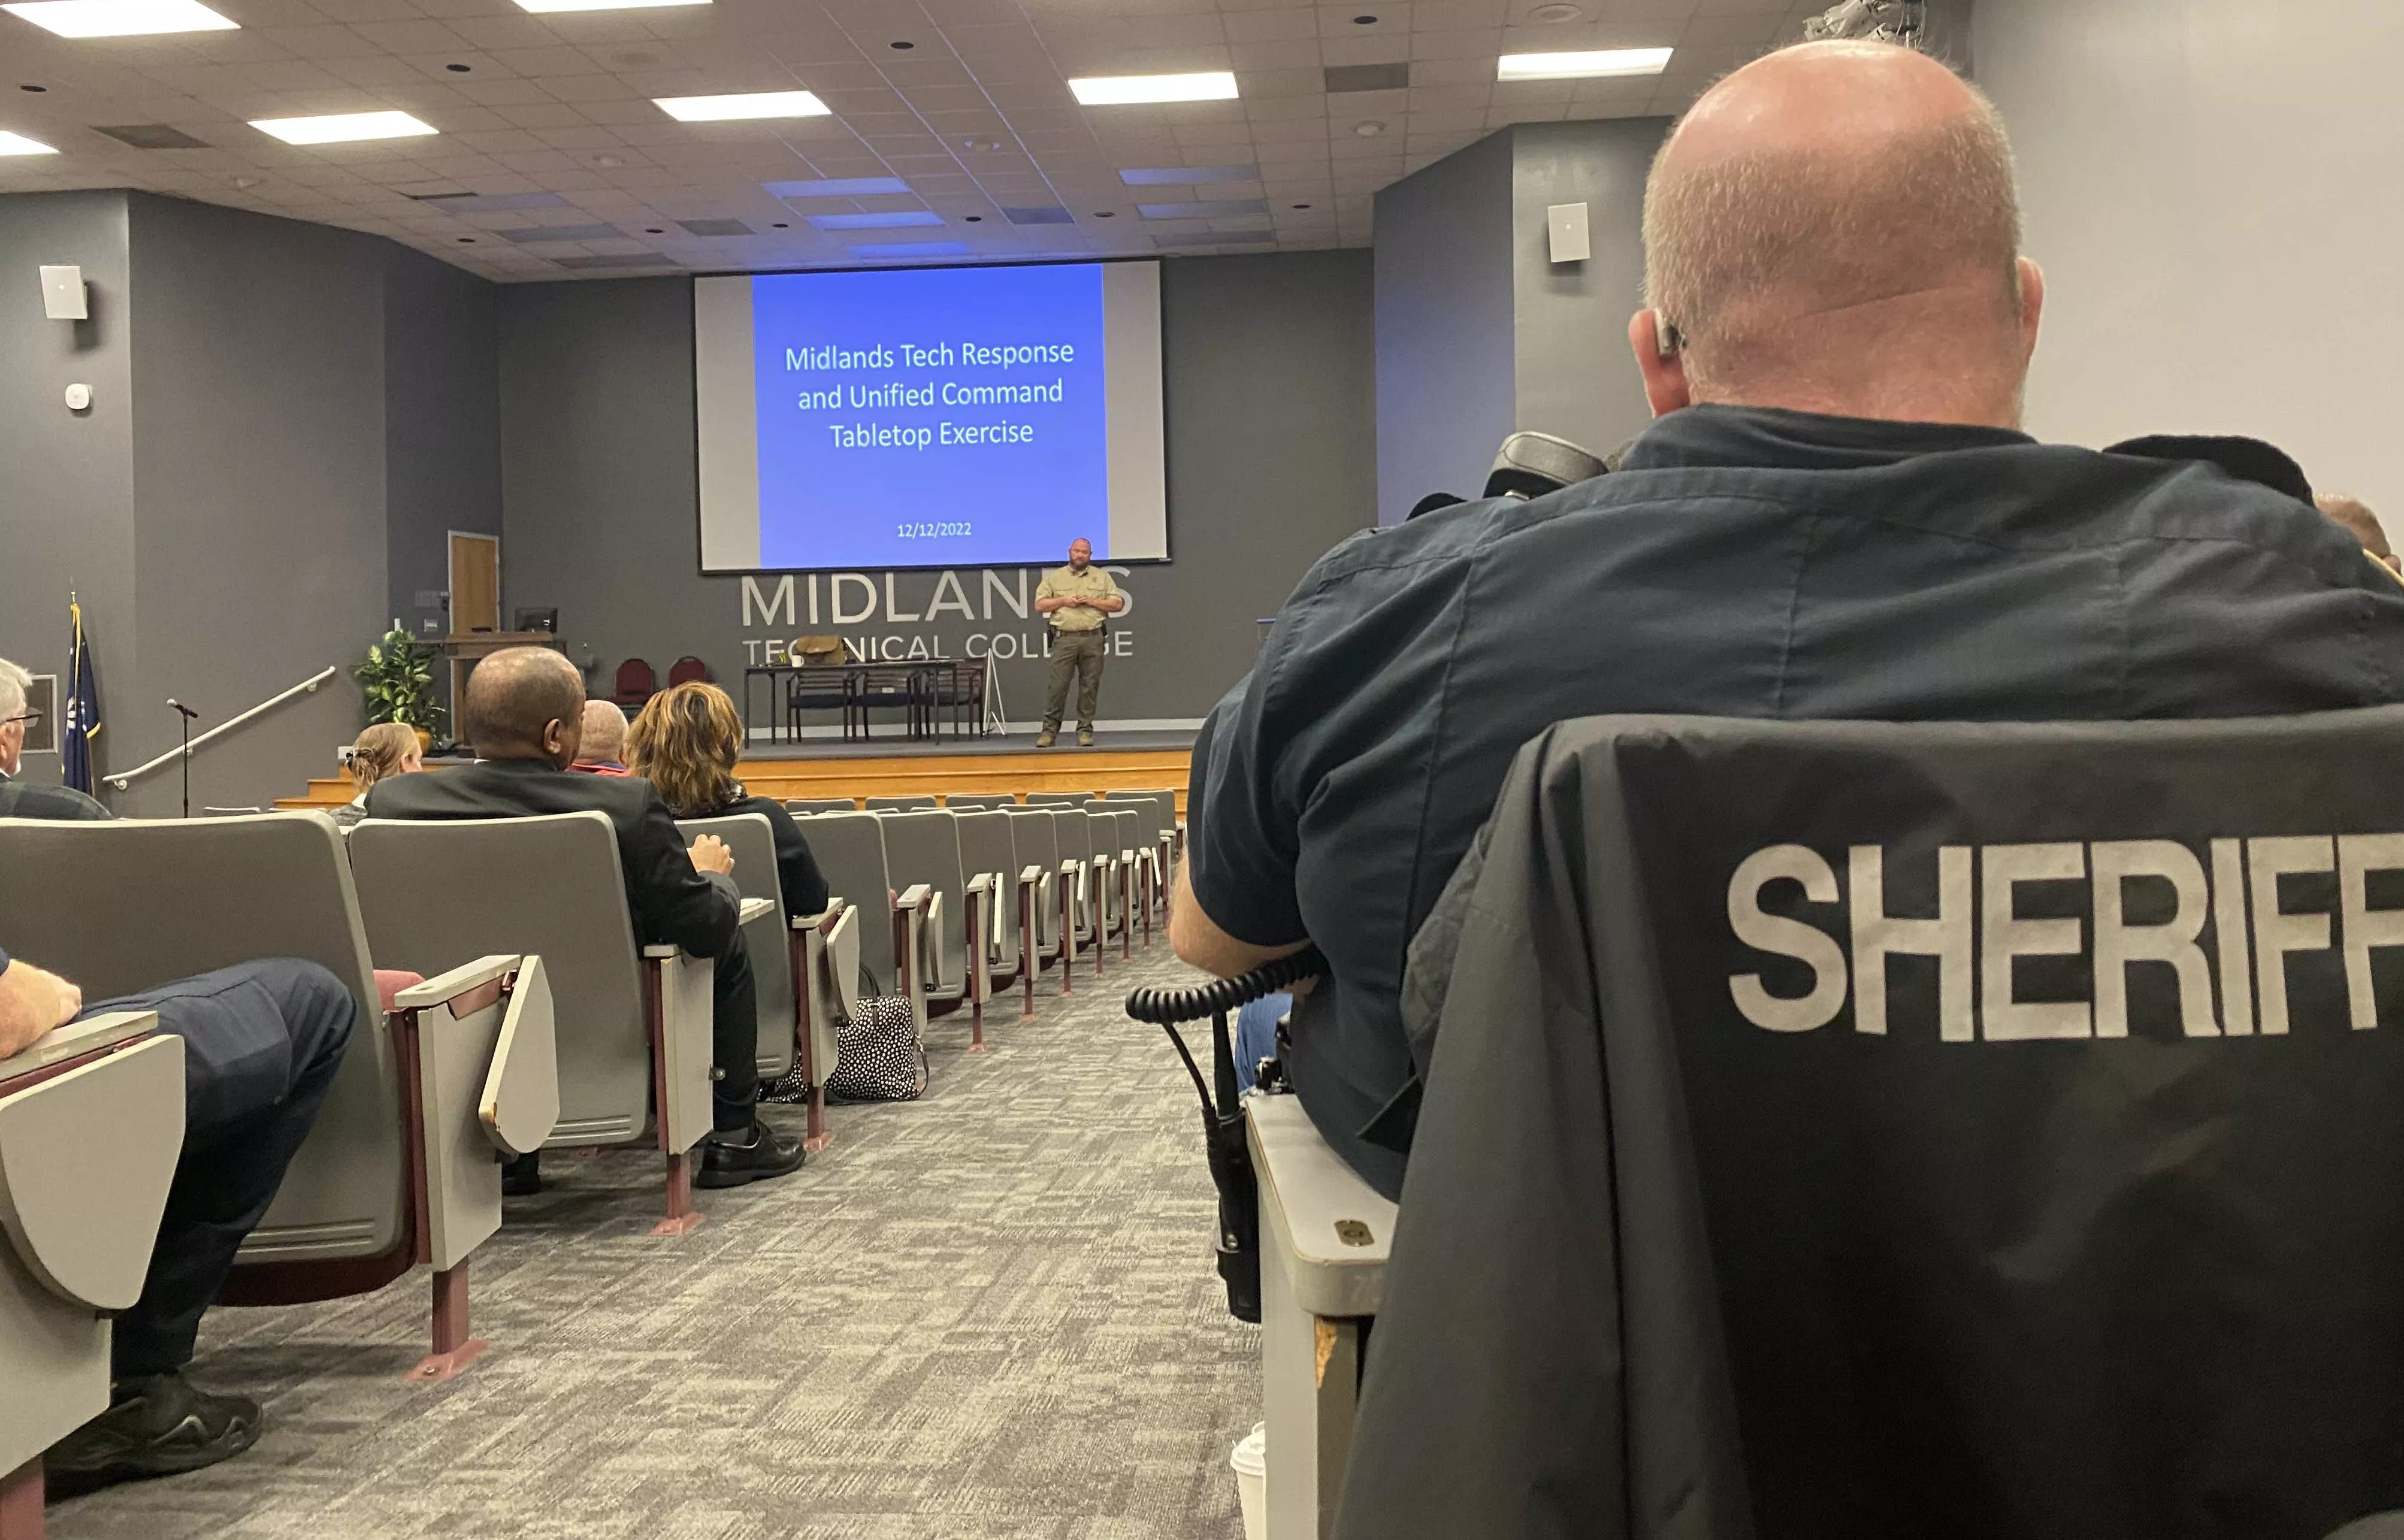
[931, 417]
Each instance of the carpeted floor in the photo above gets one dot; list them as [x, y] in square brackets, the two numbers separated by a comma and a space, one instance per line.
[989, 1315]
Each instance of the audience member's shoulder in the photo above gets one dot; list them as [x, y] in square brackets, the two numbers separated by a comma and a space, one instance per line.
[57, 804]
[2194, 502]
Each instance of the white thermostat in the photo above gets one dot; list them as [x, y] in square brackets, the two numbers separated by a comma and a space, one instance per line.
[78, 397]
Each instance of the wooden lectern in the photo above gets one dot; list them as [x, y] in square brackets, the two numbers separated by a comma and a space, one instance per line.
[466, 651]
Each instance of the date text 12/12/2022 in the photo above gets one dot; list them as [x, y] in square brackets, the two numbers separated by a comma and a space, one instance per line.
[919, 529]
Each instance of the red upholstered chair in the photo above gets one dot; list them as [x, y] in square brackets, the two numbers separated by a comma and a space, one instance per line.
[685, 670]
[636, 684]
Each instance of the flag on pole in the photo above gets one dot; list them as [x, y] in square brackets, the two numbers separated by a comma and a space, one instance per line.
[80, 707]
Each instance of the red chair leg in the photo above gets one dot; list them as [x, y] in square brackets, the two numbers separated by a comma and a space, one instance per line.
[976, 1020]
[453, 1349]
[815, 1137]
[683, 1218]
[21, 1501]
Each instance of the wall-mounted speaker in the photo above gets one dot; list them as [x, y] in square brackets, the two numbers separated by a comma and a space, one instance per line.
[63, 297]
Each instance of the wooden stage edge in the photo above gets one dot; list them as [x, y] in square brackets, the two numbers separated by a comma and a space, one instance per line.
[921, 773]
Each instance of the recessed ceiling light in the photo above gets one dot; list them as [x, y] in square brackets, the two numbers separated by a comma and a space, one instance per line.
[1110, 91]
[120, 18]
[342, 128]
[836, 187]
[781, 225]
[1103, 213]
[1302, 205]
[17, 144]
[1556, 13]
[1582, 66]
[974, 219]
[465, 239]
[755, 104]
[876, 221]
[539, 5]
[653, 230]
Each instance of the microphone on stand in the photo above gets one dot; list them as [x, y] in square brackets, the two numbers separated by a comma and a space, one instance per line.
[184, 715]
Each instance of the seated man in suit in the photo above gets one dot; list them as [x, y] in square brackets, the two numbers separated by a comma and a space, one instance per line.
[261, 1043]
[1835, 514]
[602, 752]
[17, 799]
[526, 715]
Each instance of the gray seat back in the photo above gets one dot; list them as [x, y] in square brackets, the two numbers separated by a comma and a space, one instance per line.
[1058, 799]
[901, 804]
[985, 847]
[124, 906]
[766, 941]
[985, 801]
[438, 893]
[1151, 819]
[1035, 841]
[1074, 829]
[925, 848]
[1160, 797]
[821, 805]
[1142, 826]
[851, 851]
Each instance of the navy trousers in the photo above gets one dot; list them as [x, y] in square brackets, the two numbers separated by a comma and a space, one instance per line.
[261, 1043]
[735, 1038]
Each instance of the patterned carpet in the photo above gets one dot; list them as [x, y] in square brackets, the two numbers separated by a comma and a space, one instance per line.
[989, 1315]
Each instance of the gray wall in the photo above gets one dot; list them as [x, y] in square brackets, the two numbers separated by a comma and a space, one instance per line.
[67, 483]
[1269, 399]
[443, 423]
[229, 508]
[1479, 332]
[2212, 188]
[1444, 295]
[1576, 378]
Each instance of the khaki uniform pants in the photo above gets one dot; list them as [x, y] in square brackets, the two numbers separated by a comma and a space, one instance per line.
[1078, 653]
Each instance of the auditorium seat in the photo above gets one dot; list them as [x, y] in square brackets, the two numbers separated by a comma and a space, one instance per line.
[1088, 870]
[1035, 843]
[801, 807]
[1115, 833]
[92, 1126]
[123, 907]
[850, 852]
[1058, 799]
[1170, 832]
[901, 804]
[1132, 840]
[634, 1020]
[766, 935]
[986, 848]
[923, 848]
[966, 800]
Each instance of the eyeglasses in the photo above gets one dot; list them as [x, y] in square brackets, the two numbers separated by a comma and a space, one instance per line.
[28, 719]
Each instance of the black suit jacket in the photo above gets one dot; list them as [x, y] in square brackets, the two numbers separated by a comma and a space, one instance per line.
[21, 800]
[672, 902]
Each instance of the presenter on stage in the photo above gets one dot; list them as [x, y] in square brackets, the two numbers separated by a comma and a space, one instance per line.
[1077, 600]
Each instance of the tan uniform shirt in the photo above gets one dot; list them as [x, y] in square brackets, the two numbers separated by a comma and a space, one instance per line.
[1063, 582]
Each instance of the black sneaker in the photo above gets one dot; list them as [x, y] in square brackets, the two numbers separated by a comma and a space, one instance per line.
[755, 1154]
[154, 1426]
[522, 1176]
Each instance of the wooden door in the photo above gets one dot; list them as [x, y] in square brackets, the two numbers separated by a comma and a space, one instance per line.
[475, 584]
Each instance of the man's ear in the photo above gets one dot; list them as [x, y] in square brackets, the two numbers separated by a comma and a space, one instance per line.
[1664, 369]
[2031, 304]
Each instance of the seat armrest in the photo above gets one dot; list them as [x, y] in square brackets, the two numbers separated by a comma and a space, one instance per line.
[980, 883]
[660, 951]
[1030, 874]
[825, 920]
[916, 896]
[76, 1038]
[458, 981]
[752, 908]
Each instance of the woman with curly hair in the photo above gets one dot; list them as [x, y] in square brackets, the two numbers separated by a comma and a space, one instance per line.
[684, 743]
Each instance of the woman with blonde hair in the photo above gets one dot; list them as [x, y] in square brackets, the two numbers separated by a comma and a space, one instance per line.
[684, 742]
[387, 748]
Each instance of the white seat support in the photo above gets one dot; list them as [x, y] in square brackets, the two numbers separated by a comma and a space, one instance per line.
[1324, 1235]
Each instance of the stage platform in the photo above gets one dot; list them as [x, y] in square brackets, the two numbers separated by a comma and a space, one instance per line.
[891, 767]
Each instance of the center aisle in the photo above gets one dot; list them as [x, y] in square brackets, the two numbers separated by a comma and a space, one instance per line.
[988, 1315]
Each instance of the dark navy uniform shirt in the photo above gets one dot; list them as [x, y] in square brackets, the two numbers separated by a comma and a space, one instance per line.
[1743, 563]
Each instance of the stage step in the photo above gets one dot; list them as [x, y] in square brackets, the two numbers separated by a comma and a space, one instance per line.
[1038, 770]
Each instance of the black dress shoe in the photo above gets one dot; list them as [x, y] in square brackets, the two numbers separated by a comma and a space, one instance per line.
[754, 1154]
[521, 1177]
[159, 1425]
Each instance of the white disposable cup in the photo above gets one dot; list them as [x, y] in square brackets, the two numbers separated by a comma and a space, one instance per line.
[1251, 1463]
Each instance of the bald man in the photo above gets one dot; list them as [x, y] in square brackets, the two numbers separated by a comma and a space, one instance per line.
[525, 716]
[1835, 516]
[2354, 517]
[602, 749]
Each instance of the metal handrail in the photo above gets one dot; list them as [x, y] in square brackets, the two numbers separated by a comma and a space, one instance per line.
[307, 686]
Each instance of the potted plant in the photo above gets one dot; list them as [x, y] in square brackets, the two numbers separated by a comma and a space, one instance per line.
[398, 681]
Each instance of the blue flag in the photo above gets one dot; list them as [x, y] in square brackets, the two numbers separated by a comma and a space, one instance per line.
[80, 710]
